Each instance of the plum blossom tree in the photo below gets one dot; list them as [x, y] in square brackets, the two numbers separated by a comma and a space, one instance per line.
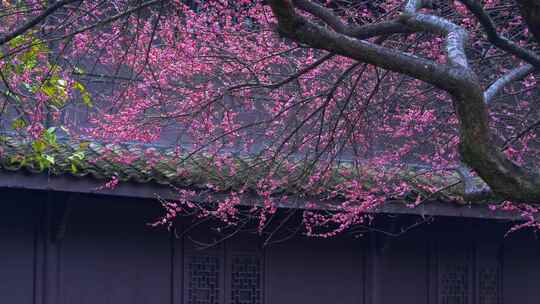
[350, 102]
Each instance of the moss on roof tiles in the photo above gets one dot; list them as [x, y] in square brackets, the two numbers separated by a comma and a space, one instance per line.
[138, 163]
[79, 158]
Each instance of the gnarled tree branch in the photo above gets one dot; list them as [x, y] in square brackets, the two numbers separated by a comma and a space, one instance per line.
[364, 31]
[456, 37]
[501, 42]
[513, 75]
[471, 192]
[302, 30]
[506, 178]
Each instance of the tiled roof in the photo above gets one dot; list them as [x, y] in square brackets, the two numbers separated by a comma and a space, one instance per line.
[149, 172]
[149, 164]
[127, 162]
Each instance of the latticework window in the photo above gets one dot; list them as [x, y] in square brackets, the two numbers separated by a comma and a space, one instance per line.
[203, 279]
[246, 280]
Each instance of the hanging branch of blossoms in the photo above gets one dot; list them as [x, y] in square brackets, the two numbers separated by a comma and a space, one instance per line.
[337, 103]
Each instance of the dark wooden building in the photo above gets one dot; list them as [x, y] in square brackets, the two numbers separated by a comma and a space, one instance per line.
[63, 241]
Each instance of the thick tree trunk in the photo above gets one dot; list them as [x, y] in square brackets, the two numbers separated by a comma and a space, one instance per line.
[505, 178]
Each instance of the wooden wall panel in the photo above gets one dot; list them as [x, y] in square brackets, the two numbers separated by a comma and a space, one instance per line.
[489, 240]
[401, 270]
[101, 250]
[110, 255]
[453, 270]
[521, 269]
[17, 248]
[315, 271]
